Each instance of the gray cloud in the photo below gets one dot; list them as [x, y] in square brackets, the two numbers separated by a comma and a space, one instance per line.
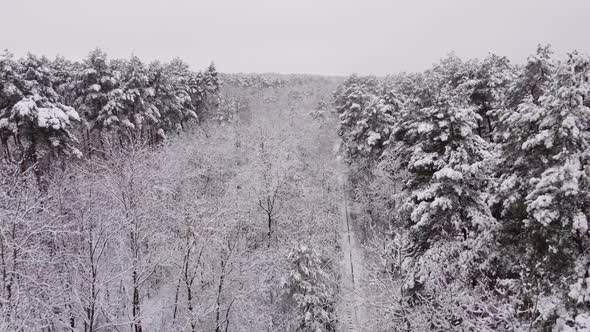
[312, 36]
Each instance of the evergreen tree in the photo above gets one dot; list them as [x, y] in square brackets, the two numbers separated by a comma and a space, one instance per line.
[446, 160]
[138, 114]
[533, 80]
[356, 104]
[544, 182]
[39, 121]
[12, 90]
[487, 86]
[94, 88]
[212, 81]
[307, 286]
[64, 79]
[172, 95]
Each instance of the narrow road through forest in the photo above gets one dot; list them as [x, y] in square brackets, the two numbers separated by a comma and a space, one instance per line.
[350, 306]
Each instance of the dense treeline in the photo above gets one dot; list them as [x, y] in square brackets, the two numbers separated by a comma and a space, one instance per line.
[272, 80]
[474, 183]
[259, 81]
[51, 109]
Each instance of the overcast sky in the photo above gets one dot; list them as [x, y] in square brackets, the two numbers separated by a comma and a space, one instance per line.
[295, 36]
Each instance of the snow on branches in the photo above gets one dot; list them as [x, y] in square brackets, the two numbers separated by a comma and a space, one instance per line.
[48, 106]
[495, 172]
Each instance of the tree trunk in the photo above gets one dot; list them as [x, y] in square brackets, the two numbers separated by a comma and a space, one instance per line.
[490, 128]
[189, 299]
[136, 325]
[269, 228]
[189, 291]
[176, 301]
[6, 149]
[14, 260]
[87, 145]
[218, 303]
[72, 318]
[90, 311]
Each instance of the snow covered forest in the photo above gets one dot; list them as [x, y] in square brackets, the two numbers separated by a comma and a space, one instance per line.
[472, 180]
[150, 197]
[142, 197]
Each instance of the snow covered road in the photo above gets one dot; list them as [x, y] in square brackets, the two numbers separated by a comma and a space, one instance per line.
[350, 305]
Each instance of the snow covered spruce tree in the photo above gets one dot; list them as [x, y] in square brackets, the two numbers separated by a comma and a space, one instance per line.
[487, 83]
[64, 79]
[12, 90]
[307, 285]
[139, 113]
[211, 79]
[445, 208]
[172, 96]
[516, 166]
[97, 97]
[365, 118]
[34, 115]
[446, 160]
[532, 80]
[203, 87]
[545, 186]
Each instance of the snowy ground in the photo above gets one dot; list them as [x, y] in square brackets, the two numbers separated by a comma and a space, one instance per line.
[351, 313]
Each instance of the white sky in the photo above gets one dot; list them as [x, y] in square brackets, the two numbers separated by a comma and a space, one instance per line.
[295, 36]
